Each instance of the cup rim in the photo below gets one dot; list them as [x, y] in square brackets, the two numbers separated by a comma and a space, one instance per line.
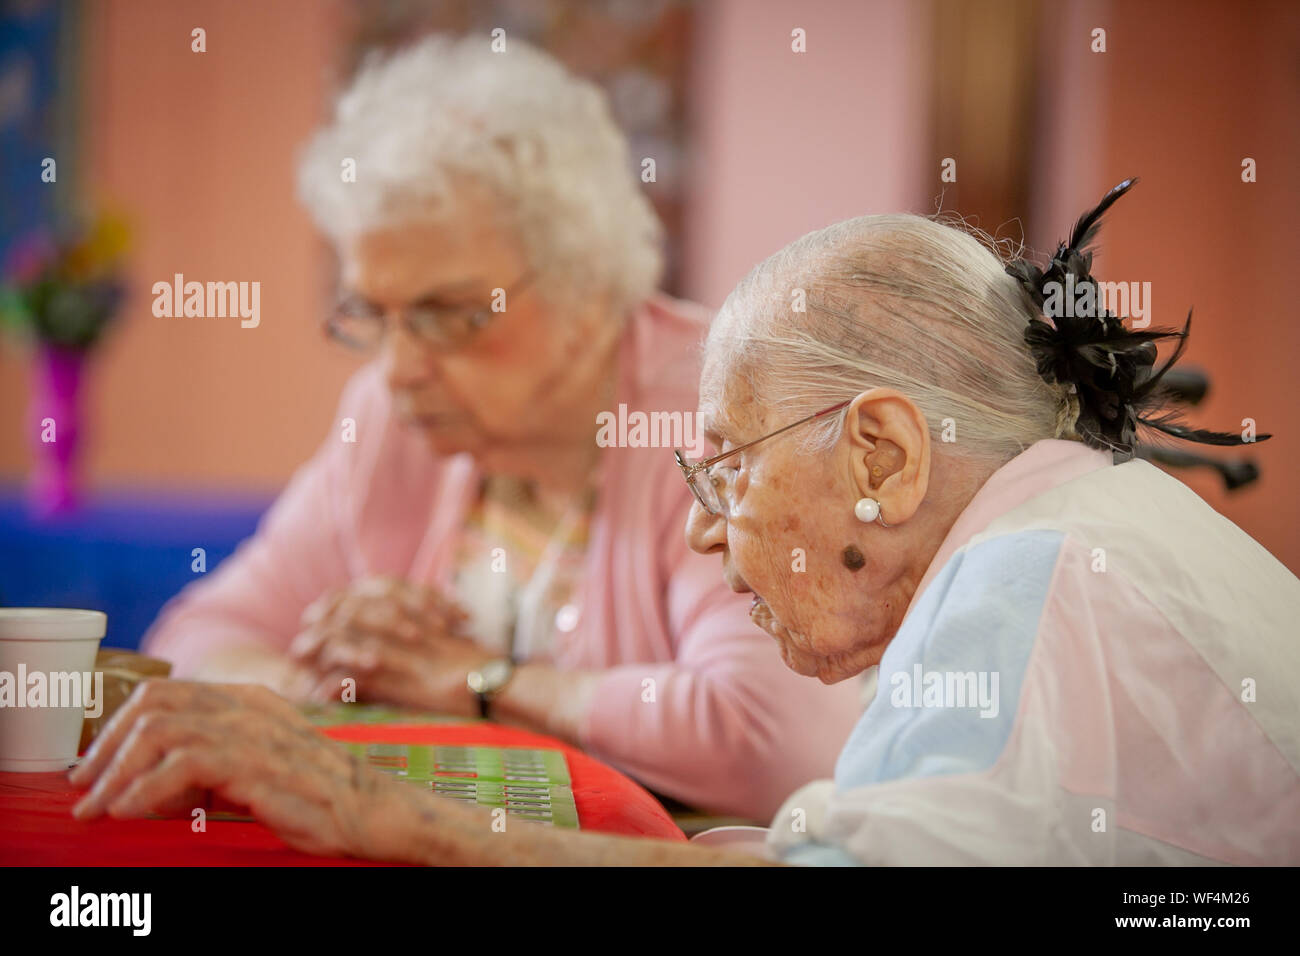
[51, 624]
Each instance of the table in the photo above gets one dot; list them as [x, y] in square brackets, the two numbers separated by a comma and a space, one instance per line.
[37, 828]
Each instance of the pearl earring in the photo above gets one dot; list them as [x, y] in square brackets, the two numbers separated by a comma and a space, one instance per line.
[867, 510]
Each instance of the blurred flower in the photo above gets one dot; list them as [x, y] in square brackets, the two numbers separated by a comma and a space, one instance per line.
[29, 258]
[65, 292]
[98, 250]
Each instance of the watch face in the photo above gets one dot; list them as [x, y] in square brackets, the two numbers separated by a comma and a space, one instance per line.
[491, 676]
[495, 673]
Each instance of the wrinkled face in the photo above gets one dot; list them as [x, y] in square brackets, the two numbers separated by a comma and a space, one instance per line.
[491, 393]
[789, 524]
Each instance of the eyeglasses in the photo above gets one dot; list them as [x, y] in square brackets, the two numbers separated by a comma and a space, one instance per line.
[706, 491]
[360, 324]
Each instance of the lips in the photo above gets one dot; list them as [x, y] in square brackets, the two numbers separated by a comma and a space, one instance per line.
[427, 419]
[407, 408]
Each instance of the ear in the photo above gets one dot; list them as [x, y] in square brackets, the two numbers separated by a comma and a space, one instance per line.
[889, 451]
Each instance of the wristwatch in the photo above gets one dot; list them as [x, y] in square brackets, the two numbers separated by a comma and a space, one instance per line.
[486, 682]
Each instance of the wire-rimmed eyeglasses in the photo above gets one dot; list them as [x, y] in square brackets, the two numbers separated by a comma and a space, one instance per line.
[360, 324]
[706, 491]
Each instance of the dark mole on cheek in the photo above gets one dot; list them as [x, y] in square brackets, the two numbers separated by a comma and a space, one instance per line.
[853, 559]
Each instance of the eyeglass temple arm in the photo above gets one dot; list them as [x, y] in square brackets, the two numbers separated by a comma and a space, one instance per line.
[701, 465]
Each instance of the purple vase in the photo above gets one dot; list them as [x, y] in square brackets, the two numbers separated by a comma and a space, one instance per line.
[56, 389]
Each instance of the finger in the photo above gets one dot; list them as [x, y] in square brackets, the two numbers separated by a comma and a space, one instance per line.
[425, 606]
[384, 663]
[388, 620]
[307, 643]
[246, 765]
[240, 743]
[149, 697]
[310, 649]
[183, 804]
[451, 618]
[144, 698]
[377, 586]
[303, 786]
[429, 605]
[152, 737]
[452, 645]
[362, 654]
[420, 600]
[204, 764]
[400, 609]
[378, 614]
[296, 684]
[329, 689]
[322, 607]
[304, 643]
[398, 679]
[457, 618]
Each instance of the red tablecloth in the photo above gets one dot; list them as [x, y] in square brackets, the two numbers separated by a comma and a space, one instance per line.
[37, 828]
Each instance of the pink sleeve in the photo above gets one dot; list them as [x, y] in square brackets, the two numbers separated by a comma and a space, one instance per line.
[730, 728]
[257, 596]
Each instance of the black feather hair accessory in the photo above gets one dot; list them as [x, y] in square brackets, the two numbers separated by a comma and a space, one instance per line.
[1110, 368]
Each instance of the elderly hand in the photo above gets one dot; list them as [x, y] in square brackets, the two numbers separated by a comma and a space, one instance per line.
[401, 643]
[174, 744]
[173, 741]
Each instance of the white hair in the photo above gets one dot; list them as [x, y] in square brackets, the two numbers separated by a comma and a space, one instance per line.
[898, 301]
[418, 122]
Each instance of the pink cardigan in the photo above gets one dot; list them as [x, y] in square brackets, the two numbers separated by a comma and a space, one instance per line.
[730, 728]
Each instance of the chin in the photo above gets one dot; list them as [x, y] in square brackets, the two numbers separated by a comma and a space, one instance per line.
[795, 661]
[829, 669]
[831, 674]
[824, 669]
[446, 442]
[803, 663]
[804, 657]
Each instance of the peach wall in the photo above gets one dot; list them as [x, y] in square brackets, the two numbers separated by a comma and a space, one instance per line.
[789, 142]
[1192, 88]
[198, 148]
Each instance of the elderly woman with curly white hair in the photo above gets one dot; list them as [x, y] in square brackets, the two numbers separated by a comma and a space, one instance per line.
[466, 541]
[1080, 662]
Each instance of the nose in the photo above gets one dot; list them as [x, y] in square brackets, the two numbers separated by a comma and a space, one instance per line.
[407, 359]
[705, 533]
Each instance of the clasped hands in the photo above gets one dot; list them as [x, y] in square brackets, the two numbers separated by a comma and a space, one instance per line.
[403, 644]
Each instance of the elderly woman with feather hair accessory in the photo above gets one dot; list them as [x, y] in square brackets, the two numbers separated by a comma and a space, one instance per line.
[1080, 662]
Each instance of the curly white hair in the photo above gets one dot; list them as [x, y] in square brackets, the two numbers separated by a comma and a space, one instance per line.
[420, 120]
